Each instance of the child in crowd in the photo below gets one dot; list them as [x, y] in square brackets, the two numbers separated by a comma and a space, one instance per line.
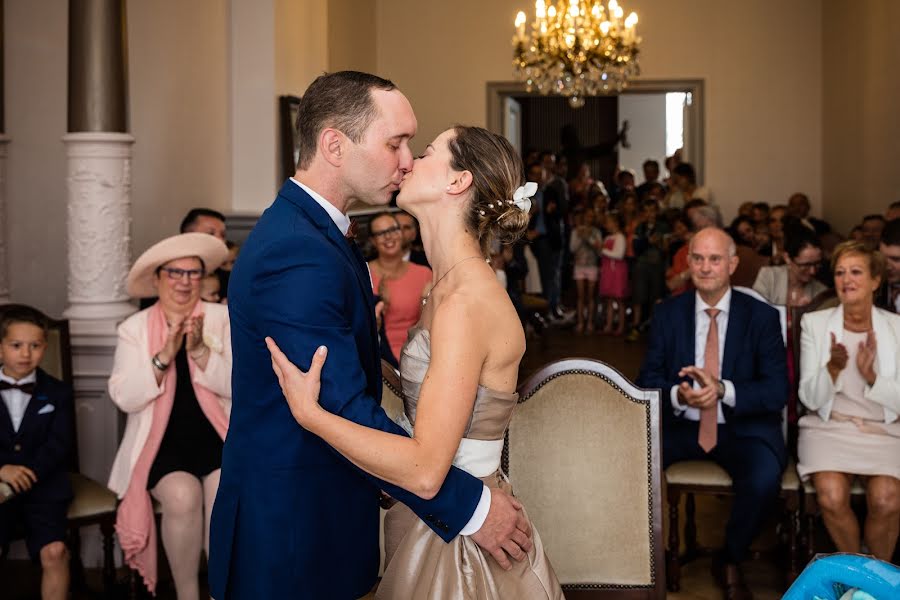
[36, 439]
[614, 272]
[211, 288]
[585, 244]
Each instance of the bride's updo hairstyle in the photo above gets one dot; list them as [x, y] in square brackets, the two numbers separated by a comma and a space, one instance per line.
[496, 174]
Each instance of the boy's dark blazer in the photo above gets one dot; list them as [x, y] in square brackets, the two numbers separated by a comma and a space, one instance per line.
[45, 439]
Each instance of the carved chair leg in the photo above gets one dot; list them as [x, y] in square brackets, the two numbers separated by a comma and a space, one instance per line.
[673, 565]
[107, 529]
[690, 528]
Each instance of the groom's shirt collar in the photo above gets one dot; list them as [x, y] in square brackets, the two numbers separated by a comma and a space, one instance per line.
[340, 219]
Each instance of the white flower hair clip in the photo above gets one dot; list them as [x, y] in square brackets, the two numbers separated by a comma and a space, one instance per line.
[522, 197]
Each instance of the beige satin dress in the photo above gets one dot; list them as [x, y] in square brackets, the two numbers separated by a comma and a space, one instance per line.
[419, 563]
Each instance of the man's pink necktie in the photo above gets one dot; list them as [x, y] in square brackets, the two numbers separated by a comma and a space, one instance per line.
[709, 415]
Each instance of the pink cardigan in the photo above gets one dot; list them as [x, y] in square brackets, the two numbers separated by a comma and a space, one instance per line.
[133, 387]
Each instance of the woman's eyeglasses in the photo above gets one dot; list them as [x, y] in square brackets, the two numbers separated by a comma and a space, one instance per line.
[176, 274]
[386, 232]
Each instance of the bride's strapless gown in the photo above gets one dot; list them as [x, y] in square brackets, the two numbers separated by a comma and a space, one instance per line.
[422, 565]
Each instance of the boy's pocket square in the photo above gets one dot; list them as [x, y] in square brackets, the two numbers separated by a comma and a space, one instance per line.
[47, 408]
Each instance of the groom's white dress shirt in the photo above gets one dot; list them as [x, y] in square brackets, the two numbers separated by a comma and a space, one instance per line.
[343, 223]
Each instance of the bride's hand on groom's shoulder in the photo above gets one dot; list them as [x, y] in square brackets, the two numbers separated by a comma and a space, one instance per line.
[300, 389]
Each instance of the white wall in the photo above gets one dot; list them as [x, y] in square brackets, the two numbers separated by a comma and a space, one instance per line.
[36, 71]
[646, 116]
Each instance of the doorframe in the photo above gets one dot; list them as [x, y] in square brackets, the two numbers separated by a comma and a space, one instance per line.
[694, 132]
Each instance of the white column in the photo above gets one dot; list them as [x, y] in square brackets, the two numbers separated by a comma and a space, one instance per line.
[99, 224]
[4, 233]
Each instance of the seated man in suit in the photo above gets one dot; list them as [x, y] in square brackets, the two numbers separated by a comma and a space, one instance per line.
[719, 358]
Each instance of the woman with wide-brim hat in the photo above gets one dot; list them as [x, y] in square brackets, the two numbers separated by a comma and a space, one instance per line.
[172, 376]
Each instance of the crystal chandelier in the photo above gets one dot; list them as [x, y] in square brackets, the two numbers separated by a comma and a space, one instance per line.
[576, 48]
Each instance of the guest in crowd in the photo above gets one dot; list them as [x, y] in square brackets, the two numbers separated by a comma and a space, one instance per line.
[233, 250]
[678, 275]
[742, 231]
[36, 424]
[793, 283]
[719, 356]
[204, 220]
[412, 244]
[210, 288]
[614, 273]
[400, 284]
[893, 212]
[546, 231]
[798, 207]
[850, 380]
[872, 226]
[888, 296]
[648, 275]
[760, 212]
[585, 244]
[651, 177]
[684, 187]
[172, 377]
[773, 246]
[746, 210]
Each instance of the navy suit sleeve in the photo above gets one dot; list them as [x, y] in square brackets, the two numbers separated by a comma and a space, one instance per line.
[659, 371]
[328, 300]
[55, 453]
[766, 391]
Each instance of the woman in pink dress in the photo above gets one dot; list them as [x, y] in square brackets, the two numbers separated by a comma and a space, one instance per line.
[400, 283]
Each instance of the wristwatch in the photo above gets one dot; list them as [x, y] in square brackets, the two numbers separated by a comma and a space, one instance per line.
[720, 388]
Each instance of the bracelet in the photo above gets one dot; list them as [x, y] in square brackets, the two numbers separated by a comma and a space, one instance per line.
[158, 363]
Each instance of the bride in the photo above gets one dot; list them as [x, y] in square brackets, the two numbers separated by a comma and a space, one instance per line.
[459, 369]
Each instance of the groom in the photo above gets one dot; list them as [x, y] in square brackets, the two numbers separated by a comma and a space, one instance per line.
[292, 518]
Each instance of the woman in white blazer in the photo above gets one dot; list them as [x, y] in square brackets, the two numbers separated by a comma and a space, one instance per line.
[850, 382]
[172, 376]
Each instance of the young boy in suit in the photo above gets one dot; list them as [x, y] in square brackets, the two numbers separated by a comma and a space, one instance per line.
[36, 436]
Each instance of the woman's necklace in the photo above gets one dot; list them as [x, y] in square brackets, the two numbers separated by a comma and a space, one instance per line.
[462, 260]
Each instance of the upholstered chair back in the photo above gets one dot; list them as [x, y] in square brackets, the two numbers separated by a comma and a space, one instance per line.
[583, 455]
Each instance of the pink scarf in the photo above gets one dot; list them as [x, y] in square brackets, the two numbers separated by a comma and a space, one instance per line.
[135, 521]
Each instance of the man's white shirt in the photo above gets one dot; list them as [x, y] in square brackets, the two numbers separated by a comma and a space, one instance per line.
[701, 330]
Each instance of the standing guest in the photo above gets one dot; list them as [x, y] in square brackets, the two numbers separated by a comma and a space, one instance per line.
[720, 356]
[684, 187]
[798, 206]
[892, 212]
[412, 245]
[648, 275]
[888, 296]
[36, 424]
[614, 273]
[545, 231]
[580, 186]
[793, 283]
[204, 220]
[850, 380]
[678, 275]
[400, 284]
[872, 226]
[172, 377]
[585, 244]
[651, 177]
[761, 212]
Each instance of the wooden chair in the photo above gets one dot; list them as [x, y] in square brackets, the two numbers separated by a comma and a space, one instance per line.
[93, 502]
[583, 455]
[689, 478]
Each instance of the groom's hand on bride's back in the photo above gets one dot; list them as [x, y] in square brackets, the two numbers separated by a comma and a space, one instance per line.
[505, 532]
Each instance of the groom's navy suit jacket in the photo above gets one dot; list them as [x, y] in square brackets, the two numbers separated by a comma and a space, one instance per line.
[292, 518]
[754, 360]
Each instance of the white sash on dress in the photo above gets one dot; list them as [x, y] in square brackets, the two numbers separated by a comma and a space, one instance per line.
[476, 457]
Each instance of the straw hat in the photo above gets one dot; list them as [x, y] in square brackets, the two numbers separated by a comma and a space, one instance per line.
[211, 250]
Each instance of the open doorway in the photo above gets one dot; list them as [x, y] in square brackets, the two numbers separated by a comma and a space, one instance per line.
[662, 117]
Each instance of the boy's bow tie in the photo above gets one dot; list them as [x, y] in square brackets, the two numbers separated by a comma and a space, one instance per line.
[27, 388]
